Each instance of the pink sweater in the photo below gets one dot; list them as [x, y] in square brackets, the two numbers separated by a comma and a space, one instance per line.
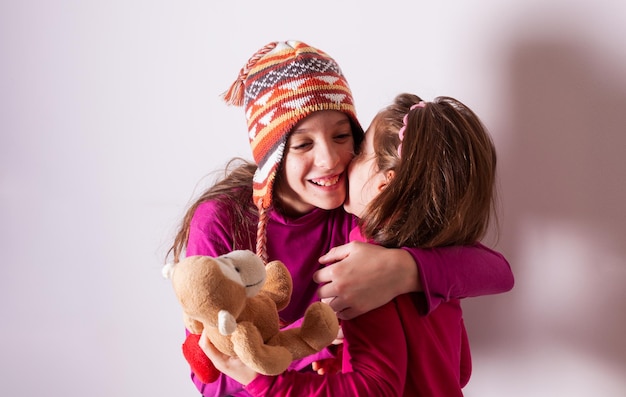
[389, 351]
[445, 273]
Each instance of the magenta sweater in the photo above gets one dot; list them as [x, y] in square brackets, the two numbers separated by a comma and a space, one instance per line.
[445, 273]
[389, 351]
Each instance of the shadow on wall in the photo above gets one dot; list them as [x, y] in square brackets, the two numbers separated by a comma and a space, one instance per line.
[563, 193]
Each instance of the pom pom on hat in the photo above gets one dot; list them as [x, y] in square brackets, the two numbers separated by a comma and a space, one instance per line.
[234, 95]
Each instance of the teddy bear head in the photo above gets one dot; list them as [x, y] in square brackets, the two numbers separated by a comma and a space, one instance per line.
[209, 288]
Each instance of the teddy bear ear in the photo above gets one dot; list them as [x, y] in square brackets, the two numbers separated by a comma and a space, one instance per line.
[226, 323]
[168, 270]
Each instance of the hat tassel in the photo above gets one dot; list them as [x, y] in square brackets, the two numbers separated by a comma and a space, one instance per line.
[235, 94]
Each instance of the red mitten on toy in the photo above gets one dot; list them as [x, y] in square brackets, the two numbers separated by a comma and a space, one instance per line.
[200, 364]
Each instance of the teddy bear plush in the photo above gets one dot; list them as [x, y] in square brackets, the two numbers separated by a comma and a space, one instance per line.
[237, 298]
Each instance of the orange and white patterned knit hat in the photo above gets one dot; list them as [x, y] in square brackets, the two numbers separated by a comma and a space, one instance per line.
[281, 84]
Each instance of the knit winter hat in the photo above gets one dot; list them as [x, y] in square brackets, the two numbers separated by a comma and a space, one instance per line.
[281, 84]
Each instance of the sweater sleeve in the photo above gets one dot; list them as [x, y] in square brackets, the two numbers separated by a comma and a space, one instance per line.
[226, 386]
[208, 231]
[374, 362]
[460, 272]
[208, 236]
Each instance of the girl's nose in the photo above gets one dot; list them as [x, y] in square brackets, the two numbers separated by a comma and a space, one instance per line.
[327, 156]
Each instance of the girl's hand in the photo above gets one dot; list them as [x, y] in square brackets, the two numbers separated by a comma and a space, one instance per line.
[361, 277]
[331, 365]
[230, 366]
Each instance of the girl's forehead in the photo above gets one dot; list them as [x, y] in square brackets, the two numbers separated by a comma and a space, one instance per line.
[321, 117]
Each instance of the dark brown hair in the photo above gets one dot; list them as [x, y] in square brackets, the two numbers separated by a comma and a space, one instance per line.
[443, 190]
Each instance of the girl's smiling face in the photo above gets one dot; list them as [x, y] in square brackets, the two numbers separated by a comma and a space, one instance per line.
[313, 173]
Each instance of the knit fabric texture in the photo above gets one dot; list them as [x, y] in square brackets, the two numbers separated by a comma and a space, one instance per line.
[282, 85]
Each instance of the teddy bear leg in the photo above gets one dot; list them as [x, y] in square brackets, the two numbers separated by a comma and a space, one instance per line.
[318, 330]
[320, 326]
[256, 354]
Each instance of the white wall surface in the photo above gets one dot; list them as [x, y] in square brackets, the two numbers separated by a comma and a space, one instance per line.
[110, 120]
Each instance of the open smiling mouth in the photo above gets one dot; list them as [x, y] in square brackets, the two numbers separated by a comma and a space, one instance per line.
[326, 181]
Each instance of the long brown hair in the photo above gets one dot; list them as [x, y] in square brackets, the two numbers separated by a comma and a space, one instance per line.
[443, 191]
[234, 190]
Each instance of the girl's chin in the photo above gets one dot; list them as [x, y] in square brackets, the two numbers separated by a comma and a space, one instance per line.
[326, 198]
[329, 204]
[301, 207]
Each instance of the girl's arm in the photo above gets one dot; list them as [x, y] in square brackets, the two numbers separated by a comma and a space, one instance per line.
[227, 386]
[208, 236]
[366, 371]
[461, 272]
[356, 269]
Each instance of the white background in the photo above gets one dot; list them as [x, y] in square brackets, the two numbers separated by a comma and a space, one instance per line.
[111, 120]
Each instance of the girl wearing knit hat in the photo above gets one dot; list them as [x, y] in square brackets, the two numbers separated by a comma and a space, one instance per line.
[416, 155]
[286, 205]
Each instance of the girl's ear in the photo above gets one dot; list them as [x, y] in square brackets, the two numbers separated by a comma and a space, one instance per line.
[390, 175]
[384, 180]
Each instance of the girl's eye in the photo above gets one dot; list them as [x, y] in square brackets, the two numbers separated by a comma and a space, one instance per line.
[343, 137]
[300, 145]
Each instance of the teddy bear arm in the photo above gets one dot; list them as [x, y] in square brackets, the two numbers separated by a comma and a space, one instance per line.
[192, 325]
[266, 359]
[318, 330]
[278, 285]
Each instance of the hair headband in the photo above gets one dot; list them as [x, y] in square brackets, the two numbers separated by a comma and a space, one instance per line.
[405, 119]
